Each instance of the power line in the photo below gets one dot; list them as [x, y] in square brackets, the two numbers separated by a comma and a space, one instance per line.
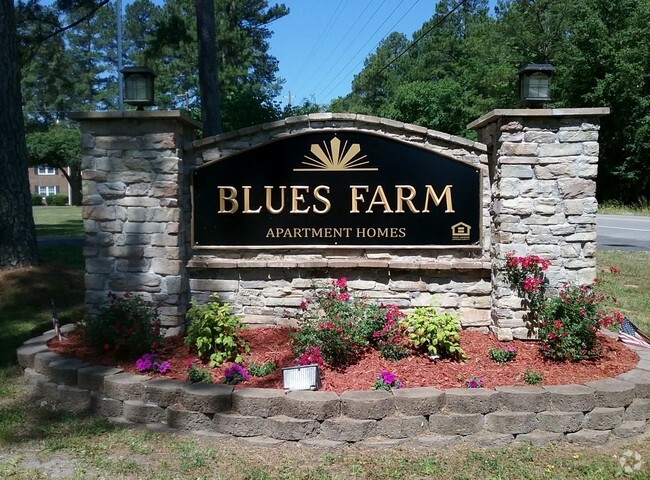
[436, 25]
[335, 49]
[360, 49]
[335, 15]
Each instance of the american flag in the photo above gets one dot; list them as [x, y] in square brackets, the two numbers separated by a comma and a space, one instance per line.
[628, 333]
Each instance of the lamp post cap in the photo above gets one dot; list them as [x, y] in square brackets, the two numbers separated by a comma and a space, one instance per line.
[537, 67]
[145, 70]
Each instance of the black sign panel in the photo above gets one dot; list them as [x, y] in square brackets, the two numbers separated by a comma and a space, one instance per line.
[336, 188]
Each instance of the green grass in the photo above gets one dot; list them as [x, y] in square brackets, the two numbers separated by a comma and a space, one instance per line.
[613, 207]
[58, 221]
[631, 287]
[92, 447]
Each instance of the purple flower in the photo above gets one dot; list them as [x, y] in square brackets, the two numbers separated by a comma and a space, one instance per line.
[164, 367]
[235, 374]
[388, 377]
[145, 362]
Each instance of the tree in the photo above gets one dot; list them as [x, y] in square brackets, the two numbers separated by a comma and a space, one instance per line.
[58, 147]
[17, 230]
[207, 61]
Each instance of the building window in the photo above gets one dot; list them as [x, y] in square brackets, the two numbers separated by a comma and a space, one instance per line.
[45, 170]
[47, 190]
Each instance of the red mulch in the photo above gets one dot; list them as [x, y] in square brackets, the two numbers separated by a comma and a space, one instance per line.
[416, 371]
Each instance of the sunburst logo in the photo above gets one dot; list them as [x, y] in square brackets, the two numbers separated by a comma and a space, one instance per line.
[334, 156]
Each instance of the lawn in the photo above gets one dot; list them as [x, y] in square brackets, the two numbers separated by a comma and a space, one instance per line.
[37, 443]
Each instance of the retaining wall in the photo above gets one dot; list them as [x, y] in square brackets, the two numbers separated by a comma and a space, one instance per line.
[586, 414]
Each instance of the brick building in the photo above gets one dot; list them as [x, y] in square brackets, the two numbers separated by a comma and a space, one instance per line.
[48, 181]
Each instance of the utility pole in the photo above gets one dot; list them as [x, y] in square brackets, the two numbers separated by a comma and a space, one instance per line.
[120, 80]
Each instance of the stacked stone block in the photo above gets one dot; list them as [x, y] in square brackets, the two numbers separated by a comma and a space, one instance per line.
[543, 167]
[136, 208]
[587, 414]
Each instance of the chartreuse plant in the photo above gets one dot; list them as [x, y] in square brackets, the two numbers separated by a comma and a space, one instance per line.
[263, 369]
[437, 333]
[212, 330]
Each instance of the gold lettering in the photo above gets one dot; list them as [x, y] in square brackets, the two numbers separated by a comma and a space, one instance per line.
[409, 200]
[431, 193]
[228, 194]
[269, 199]
[324, 200]
[379, 192]
[297, 198]
[356, 196]
[361, 232]
[269, 233]
[247, 201]
[316, 232]
[402, 232]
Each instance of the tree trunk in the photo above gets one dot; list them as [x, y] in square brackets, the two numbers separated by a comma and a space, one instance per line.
[17, 231]
[208, 80]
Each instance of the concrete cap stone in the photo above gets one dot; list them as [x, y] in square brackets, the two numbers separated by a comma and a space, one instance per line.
[207, 397]
[589, 437]
[523, 398]
[571, 398]
[42, 361]
[312, 405]
[66, 371]
[471, 400]
[125, 386]
[367, 404]
[612, 392]
[641, 381]
[92, 377]
[401, 426]
[163, 392]
[27, 352]
[262, 402]
[601, 418]
[419, 400]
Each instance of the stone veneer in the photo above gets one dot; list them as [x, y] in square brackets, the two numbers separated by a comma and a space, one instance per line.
[538, 194]
[585, 414]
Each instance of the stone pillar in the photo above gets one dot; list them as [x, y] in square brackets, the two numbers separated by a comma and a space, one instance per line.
[136, 208]
[543, 165]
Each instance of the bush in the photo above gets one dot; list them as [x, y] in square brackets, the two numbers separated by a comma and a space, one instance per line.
[501, 354]
[212, 330]
[262, 370]
[57, 200]
[338, 324]
[198, 375]
[435, 333]
[127, 326]
[37, 199]
[570, 323]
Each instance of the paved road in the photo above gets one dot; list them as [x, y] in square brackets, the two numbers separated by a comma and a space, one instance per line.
[623, 232]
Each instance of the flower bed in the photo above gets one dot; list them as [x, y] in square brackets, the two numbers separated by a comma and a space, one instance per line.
[272, 344]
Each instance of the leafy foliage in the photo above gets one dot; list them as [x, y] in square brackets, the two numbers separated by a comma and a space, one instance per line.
[341, 326]
[434, 332]
[532, 377]
[502, 354]
[198, 375]
[570, 322]
[212, 330]
[126, 326]
[262, 370]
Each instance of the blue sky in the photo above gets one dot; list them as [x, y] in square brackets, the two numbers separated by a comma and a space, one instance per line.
[322, 44]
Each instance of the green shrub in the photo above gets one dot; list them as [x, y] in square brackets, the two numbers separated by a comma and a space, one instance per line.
[501, 354]
[532, 377]
[570, 322]
[198, 375]
[340, 325]
[212, 330]
[262, 370]
[37, 199]
[127, 326]
[435, 333]
[57, 200]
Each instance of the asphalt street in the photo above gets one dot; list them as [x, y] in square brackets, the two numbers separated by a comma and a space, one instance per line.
[623, 232]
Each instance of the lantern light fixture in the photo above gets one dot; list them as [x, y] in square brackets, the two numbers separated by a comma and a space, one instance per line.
[535, 83]
[138, 86]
